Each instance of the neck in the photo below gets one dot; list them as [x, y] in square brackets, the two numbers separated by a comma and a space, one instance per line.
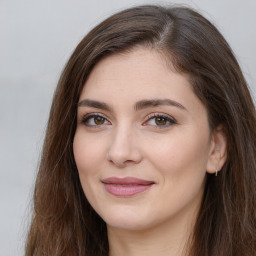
[169, 238]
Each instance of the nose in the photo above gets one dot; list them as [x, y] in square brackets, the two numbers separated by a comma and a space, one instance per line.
[124, 148]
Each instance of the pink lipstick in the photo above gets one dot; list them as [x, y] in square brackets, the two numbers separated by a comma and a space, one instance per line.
[125, 187]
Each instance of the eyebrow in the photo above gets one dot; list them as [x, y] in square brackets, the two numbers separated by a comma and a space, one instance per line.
[94, 104]
[142, 104]
[157, 102]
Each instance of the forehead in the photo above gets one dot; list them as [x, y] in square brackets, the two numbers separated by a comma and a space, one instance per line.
[142, 70]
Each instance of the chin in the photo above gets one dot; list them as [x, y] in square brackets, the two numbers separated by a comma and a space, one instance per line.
[127, 224]
[127, 219]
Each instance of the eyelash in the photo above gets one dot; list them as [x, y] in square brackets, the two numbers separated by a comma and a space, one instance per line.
[87, 118]
[166, 118]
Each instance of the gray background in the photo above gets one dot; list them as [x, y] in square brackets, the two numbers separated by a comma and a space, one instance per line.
[37, 37]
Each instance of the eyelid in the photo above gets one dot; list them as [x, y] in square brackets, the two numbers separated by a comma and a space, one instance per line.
[86, 117]
[168, 117]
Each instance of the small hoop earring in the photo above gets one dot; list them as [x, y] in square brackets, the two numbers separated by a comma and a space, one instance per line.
[216, 173]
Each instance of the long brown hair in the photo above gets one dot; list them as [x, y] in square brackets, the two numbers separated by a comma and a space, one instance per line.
[63, 221]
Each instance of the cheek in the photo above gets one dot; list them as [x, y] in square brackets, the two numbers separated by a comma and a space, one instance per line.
[87, 153]
[180, 155]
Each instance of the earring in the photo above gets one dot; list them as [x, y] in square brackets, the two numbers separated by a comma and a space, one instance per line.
[216, 173]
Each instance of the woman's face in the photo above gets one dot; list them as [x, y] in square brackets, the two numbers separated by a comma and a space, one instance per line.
[142, 144]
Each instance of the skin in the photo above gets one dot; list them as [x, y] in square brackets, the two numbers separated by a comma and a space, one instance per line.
[175, 151]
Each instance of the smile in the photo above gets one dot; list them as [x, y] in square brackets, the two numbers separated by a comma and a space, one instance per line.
[126, 187]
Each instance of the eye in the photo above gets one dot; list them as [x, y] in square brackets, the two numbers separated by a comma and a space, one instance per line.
[160, 120]
[95, 120]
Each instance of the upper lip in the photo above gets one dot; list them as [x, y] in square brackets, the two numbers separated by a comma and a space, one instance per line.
[127, 181]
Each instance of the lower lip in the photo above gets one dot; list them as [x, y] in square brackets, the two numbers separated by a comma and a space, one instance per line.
[126, 190]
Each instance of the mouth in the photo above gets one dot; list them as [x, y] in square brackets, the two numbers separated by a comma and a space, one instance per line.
[126, 187]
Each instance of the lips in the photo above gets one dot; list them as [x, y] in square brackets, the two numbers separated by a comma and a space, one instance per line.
[126, 187]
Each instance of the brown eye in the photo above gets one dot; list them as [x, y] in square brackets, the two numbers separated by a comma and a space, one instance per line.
[95, 120]
[99, 120]
[160, 120]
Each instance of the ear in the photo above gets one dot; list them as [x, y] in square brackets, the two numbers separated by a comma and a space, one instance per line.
[218, 150]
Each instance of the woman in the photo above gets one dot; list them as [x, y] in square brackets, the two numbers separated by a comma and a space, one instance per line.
[150, 147]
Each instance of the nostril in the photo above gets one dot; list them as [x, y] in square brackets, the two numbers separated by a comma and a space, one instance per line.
[121, 161]
[123, 149]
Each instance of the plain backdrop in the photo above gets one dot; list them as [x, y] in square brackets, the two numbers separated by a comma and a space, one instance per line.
[37, 38]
